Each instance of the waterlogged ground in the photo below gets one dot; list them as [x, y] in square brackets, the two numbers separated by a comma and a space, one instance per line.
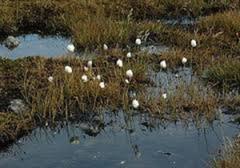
[168, 81]
[120, 141]
[117, 140]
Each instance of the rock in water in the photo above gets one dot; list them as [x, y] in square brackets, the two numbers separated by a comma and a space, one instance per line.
[75, 140]
[11, 42]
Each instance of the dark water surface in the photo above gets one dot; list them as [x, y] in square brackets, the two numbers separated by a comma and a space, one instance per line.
[134, 142]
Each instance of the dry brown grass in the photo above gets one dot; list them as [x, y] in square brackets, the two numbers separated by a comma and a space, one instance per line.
[13, 126]
[68, 93]
[224, 73]
[226, 23]
[230, 155]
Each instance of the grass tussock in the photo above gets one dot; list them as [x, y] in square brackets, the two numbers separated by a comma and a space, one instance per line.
[226, 23]
[188, 103]
[225, 73]
[13, 126]
[69, 92]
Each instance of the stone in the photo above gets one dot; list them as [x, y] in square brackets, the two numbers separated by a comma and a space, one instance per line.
[17, 106]
[11, 42]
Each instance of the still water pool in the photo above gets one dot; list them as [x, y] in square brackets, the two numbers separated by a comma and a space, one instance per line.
[36, 45]
[121, 141]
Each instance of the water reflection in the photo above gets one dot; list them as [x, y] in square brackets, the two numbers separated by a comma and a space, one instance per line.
[36, 45]
[122, 141]
[170, 80]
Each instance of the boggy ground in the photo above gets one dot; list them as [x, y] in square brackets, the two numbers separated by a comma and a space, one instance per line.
[90, 24]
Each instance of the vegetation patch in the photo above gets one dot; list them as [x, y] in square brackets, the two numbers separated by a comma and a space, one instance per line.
[229, 155]
[225, 74]
[61, 88]
[13, 126]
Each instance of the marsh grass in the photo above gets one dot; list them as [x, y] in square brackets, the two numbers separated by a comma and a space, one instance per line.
[68, 93]
[229, 155]
[90, 24]
[13, 126]
[187, 103]
[224, 73]
[226, 23]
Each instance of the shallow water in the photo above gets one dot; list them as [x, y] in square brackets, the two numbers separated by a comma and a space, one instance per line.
[35, 45]
[123, 141]
[154, 49]
[169, 80]
[184, 21]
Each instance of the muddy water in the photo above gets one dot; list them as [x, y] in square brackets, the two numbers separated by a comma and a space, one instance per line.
[120, 141]
[35, 45]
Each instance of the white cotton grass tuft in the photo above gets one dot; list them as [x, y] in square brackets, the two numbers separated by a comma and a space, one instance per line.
[50, 79]
[122, 162]
[164, 95]
[105, 47]
[68, 69]
[135, 103]
[102, 85]
[85, 68]
[163, 64]
[138, 41]
[84, 78]
[127, 81]
[193, 43]
[129, 73]
[90, 63]
[99, 77]
[70, 48]
[184, 60]
[129, 55]
[119, 63]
